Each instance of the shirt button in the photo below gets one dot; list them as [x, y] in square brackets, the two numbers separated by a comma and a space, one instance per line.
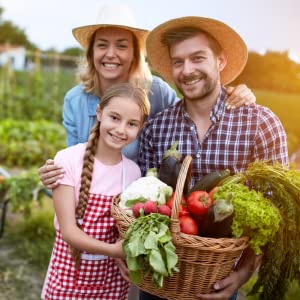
[192, 128]
[198, 155]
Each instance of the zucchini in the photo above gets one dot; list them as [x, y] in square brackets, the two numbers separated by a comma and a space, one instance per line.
[210, 180]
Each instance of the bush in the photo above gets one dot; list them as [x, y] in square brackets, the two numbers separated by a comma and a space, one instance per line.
[33, 238]
[29, 143]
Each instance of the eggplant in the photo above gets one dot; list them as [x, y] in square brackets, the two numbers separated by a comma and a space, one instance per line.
[170, 167]
[218, 220]
[210, 180]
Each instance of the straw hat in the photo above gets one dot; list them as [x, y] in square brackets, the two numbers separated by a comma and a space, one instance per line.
[118, 16]
[232, 44]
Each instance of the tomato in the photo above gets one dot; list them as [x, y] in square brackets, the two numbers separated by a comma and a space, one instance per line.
[199, 202]
[183, 210]
[188, 225]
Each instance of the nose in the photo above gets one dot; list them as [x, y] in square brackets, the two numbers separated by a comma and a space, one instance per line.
[110, 51]
[188, 67]
[121, 128]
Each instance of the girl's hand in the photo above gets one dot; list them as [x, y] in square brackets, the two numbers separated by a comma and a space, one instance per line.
[239, 96]
[117, 250]
[123, 268]
[50, 173]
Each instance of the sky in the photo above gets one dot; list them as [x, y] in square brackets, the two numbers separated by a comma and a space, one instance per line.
[264, 24]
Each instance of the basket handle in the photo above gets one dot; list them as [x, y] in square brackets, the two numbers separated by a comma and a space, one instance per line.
[179, 188]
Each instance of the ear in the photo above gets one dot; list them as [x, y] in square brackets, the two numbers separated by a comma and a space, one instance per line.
[99, 113]
[222, 61]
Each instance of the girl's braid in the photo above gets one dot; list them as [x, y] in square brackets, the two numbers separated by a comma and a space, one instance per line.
[86, 178]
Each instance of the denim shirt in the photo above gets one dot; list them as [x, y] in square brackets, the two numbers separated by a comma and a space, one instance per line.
[79, 112]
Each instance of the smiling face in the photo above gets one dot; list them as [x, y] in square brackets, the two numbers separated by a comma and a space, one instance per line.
[120, 121]
[195, 67]
[113, 55]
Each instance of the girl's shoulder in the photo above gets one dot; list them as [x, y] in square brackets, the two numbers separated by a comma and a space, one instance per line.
[74, 152]
[131, 167]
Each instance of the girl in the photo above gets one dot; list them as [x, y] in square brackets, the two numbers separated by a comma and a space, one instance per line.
[115, 50]
[83, 264]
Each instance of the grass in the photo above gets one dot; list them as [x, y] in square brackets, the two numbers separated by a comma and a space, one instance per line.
[25, 251]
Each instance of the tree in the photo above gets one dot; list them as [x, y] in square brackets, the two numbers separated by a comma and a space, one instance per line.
[10, 33]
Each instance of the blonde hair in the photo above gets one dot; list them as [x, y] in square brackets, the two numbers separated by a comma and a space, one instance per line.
[139, 74]
[139, 96]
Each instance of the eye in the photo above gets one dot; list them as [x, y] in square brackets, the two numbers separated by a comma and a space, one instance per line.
[198, 58]
[177, 63]
[101, 45]
[114, 117]
[133, 124]
[122, 46]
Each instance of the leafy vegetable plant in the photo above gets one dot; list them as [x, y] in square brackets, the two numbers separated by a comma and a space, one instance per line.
[281, 260]
[149, 249]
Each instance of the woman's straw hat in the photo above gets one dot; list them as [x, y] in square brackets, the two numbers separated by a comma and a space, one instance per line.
[119, 16]
[230, 41]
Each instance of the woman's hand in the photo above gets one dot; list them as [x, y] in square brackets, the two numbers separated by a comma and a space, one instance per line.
[50, 173]
[123, 268]
[239, 96]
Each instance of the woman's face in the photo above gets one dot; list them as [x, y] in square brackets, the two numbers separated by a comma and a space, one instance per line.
[113, 54]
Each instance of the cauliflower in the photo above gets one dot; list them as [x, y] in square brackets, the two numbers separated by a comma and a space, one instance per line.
[143, 189]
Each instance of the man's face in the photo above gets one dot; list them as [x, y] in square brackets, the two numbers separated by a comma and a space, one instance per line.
[195, 68]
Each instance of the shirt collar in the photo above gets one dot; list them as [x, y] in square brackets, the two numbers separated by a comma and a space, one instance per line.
[217, 110]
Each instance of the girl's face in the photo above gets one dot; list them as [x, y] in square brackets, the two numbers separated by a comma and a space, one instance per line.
[113, 54]
[120, 122]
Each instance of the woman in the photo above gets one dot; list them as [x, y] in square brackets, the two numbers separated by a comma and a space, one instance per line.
[115, 53]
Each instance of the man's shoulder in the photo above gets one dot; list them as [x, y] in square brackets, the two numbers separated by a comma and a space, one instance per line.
[257, 109]
[166, 114]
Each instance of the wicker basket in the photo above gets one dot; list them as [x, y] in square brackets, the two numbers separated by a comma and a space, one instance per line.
[202, 261]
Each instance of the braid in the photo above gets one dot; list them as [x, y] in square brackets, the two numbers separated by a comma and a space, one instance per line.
[86, 178]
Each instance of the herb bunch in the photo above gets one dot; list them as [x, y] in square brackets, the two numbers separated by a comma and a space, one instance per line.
[281, 260]
[149, 249]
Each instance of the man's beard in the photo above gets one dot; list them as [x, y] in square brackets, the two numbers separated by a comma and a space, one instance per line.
[209, 85]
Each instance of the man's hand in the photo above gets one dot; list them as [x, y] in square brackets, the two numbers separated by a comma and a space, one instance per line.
[50, 173]
[225, 288]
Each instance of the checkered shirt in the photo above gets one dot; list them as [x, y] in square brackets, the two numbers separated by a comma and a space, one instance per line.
[235, 138]
[98, 279]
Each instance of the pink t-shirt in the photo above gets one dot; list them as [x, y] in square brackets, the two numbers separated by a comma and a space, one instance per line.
[106, 180]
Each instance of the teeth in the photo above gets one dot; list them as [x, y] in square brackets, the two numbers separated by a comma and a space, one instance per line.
[110, 65]
[117, 138]
[192, 81]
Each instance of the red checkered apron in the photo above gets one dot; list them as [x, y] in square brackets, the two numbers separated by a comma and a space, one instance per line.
[98, 276]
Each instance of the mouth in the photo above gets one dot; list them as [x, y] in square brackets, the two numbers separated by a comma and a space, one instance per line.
[116, 138]
[110, 65]
[192, 81]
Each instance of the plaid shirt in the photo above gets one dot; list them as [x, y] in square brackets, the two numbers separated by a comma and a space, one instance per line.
[235, 138]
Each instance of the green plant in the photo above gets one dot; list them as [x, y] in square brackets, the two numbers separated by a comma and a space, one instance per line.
[34, 236]
[29, 143]
[21, 191]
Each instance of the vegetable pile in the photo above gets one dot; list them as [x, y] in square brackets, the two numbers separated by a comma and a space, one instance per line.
[149, 249]
[281, 260]
[254, 215]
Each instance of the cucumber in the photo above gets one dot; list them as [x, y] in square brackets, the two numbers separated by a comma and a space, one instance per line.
[210, 180]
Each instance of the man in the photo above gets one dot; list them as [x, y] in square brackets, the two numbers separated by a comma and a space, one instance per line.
[200, 56]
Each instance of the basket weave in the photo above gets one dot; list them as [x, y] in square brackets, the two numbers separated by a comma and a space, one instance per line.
[202, 261]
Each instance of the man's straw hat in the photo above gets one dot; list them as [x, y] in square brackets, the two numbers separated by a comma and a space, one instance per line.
[118, 16]
[230, 41]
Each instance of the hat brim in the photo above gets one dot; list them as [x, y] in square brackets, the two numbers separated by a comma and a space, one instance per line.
[83, 34]
[232, 44]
